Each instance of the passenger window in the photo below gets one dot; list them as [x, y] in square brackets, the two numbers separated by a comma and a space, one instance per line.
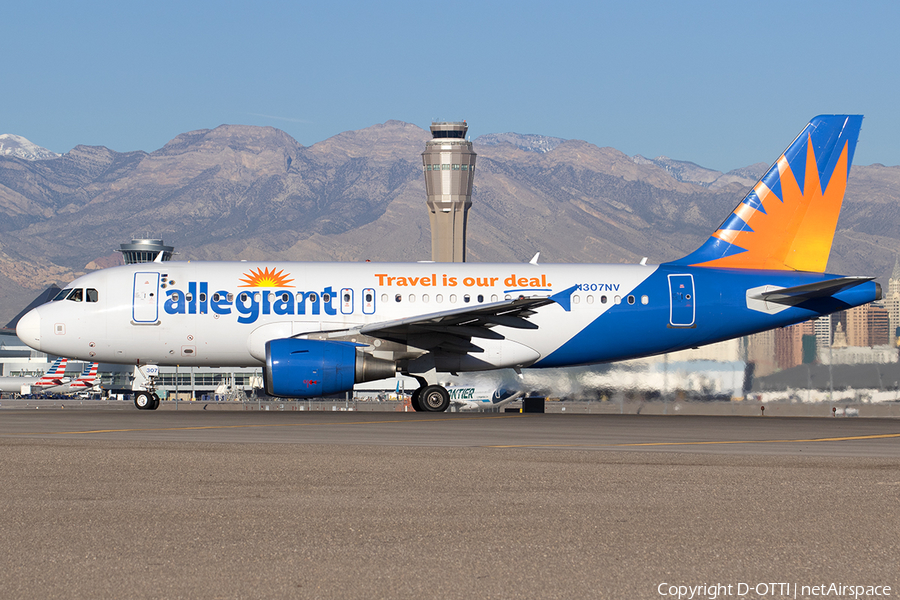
[439, 298]
[645, 300]
[590, 299]
[326, 297]
[576, 299]
[466, 298]
[412, 297]
[189, 297]
[175, 297]
[230, 297]
[493, 297]
[92, 295]
[216, 297]
[77, 295]
[630, 299]
[285, 297]
[384, 297]
[398, 298]
[202, 297]
[453, 298]
[480, 298]
[618, 300]
[424, 297]
[602, 299]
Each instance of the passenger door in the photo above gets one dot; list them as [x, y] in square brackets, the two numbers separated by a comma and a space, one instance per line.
[682, 307]
[145, 308]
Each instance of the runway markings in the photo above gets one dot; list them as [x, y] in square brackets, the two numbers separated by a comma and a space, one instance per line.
[256, 426]
[706, 443]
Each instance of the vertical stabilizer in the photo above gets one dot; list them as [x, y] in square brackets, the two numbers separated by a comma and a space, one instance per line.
[788, 220]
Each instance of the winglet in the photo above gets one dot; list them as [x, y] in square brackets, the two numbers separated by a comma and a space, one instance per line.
[564, 298]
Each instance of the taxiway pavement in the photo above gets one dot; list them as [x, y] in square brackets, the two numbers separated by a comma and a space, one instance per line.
[363, 505]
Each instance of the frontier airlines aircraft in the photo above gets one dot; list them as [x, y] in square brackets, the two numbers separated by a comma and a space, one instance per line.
[318, 328]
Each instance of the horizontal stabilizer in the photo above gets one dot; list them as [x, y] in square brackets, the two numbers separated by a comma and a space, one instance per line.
[795, 295]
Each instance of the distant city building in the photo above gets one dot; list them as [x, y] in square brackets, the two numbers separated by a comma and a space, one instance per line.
[858, 326]
[892, 303]
[449, 166]
[879, 326]
[824, 331]
[792, 345]
[761, 352]
[143, 250]
[855, 355]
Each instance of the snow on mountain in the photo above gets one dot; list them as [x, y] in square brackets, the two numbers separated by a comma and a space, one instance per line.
[528, 142]
[16, 145]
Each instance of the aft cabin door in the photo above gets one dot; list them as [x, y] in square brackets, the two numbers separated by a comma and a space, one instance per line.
[145, 308]
[682, 307]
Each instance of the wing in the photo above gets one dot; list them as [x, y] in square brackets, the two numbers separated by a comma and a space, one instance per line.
[453, 330]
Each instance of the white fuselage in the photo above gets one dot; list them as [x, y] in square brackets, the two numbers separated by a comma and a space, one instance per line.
[222, 314]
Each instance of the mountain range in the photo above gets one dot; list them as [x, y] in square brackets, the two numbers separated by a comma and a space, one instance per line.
[243, 192]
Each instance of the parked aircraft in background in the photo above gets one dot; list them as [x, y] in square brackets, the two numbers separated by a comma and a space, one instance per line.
[319, 328]
[481, 397]
[85, 382]
[55, 376]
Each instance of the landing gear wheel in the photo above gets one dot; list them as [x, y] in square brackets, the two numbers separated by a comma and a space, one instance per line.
[144, 401]
[434, 398]
[155, 404]
[414, 399]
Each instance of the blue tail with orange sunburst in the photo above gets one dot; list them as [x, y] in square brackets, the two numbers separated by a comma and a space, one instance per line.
[788, 220]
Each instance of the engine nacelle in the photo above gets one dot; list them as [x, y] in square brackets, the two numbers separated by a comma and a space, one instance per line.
[300, 368]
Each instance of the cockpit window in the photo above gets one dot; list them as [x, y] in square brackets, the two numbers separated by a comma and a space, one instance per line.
[77, 295]
[62, 294]
[91, 295]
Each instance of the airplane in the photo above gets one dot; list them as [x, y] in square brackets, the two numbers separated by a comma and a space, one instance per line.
[318, 328]
[55, 376]
[85, 382]
[477, 397]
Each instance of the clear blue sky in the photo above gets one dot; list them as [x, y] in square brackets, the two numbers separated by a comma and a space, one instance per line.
[723, 84]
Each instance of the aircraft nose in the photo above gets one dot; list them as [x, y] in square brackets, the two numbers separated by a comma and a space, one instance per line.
[28, 329]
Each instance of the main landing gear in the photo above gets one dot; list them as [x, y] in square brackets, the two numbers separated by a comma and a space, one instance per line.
[430, 398]
[146, 401]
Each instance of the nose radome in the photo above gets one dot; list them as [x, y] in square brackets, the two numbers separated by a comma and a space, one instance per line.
[28, 329]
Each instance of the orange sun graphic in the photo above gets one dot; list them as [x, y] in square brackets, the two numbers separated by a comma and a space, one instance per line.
[265, 278]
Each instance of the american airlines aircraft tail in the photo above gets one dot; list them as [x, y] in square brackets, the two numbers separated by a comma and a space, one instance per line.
[318, 328]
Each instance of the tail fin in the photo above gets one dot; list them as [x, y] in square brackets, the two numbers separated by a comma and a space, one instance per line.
[788, 219]
[89, 373]
[58, 368]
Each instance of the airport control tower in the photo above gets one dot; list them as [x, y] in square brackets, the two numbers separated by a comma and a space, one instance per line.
[449, 165]
[142, 250]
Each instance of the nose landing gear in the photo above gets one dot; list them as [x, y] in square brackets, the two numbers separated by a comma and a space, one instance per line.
[146, 401]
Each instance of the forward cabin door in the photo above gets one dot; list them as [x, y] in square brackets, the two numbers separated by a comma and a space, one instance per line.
[145, 308]
[682, 304]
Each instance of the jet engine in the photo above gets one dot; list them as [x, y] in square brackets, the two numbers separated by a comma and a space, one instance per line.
[300, 368]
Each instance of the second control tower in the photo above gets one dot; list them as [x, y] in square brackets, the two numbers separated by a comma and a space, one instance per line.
[449, 164]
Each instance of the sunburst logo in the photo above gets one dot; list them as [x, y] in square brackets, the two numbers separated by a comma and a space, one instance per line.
[265, 278]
